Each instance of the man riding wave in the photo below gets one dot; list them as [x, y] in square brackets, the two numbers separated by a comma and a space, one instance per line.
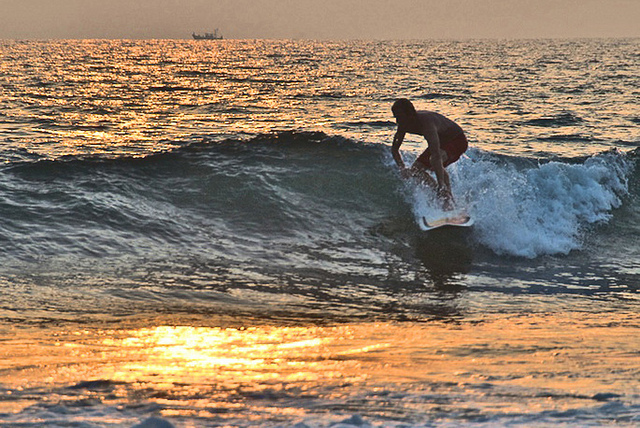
[446, 143]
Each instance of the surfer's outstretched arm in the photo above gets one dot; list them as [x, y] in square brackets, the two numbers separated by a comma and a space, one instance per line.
[395, 148]
[395, 152]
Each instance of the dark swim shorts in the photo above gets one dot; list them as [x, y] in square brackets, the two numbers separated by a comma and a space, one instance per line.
[454, 147]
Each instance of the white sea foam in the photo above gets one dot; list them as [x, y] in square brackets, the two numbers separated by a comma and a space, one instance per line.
[533, 211]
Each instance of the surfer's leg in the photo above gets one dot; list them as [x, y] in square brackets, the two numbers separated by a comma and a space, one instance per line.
[445, 195]
[420, 171]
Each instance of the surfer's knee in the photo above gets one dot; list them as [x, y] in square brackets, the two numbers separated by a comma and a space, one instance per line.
[423, 175]
[443, 157]
[418, 167]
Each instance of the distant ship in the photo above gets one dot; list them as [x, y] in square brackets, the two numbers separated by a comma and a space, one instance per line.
[208, 36]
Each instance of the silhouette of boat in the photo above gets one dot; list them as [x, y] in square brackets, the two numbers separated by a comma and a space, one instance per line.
[207, 36]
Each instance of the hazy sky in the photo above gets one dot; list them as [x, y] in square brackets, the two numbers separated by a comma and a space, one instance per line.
[319, 19]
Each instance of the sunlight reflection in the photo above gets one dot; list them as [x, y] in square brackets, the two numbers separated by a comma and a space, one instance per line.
[277, 371]
[227, 355]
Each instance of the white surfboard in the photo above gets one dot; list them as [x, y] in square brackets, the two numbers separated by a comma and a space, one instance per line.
[453, 220]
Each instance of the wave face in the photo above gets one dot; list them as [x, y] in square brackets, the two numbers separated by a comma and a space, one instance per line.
[294, 199]
[239, 200]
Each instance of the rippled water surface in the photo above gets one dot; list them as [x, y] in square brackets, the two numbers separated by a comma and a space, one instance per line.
[214, 234]
[125, 97]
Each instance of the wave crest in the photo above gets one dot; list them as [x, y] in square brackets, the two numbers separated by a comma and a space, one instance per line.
[540, 210]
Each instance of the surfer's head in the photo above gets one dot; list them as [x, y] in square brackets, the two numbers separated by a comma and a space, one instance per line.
[403, 110]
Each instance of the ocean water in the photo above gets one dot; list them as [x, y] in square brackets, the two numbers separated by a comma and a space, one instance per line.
[213, 233]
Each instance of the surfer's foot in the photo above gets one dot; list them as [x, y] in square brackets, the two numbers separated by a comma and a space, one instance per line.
[446, 197]
[447, 203]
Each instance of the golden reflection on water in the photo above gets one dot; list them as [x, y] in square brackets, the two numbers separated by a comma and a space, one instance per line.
[142, 95]
[572, 356]
[223, 355]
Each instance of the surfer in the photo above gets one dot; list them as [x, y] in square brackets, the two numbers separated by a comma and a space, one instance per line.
[446, 143]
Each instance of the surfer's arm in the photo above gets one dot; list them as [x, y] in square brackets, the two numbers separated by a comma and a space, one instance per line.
[395, 149]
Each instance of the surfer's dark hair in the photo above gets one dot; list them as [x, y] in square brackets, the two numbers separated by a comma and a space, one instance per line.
[403, 104]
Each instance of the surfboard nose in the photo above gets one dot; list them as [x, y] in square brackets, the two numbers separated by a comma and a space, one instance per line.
[462, 220]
